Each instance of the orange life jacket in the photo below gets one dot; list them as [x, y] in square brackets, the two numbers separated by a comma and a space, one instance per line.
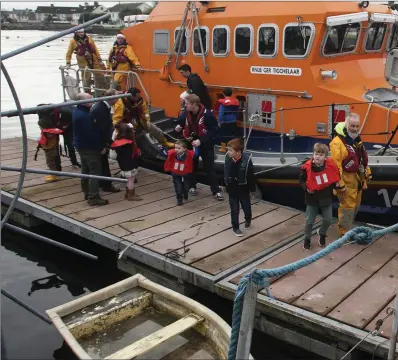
[179, 167]
[320, 180]
[43, 138]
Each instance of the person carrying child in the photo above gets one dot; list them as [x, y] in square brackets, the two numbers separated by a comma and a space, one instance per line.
[180, 163]
[318, 177]
[240, 182]
[128, 156]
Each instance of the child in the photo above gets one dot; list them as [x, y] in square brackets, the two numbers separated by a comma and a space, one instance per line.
[318, 177]
[228, 113]
[49, 142]
[239, 180]
[128, 156]
[180, 163]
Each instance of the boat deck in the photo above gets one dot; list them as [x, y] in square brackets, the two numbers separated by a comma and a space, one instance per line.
[340, 297]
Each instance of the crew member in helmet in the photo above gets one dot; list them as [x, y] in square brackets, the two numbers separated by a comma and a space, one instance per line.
[122, 58]
[87, 55]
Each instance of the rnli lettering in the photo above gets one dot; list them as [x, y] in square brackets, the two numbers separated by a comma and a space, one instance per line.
[266, 70]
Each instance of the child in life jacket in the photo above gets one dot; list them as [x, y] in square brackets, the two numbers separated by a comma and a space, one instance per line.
[49, 142]
[318, 177]
[179, 163]
[128, 156]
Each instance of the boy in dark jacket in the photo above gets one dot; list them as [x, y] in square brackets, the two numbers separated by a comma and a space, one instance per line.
[318, 177]
[239, 180]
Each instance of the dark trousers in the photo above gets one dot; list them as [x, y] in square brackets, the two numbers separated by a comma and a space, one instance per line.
[53, 160]
[68, 144]
[228, 131]
[207, 155]
[91, 164]
[105, 171]
[234, 202]
[181, 186]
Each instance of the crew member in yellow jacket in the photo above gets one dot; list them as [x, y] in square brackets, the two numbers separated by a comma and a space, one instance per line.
[122, 58]
[87, 55]
[351, 158]
[135, 111]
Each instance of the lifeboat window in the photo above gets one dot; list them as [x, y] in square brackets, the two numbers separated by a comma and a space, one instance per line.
[184, 45]
[297, 40]
[161, 40]
[375, 36]
[393, 41]
[243, 40]
[204, 33]
[341, 39]
[221, 39]
[267, 40]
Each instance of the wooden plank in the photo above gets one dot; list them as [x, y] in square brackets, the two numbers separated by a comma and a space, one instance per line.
[201, 232]
[227, 258]
[367, 301]
[13, 155]
[295, 284]
[117, 230]
[386, 328]
[66, 207]
[180, 218]
[225, 239]
[139, 212]
[329, 293]
[148, 343]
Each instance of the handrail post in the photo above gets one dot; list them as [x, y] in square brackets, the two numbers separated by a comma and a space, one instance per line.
[282, 158]
[244, 126]
[181, 33]
[63, 83]
[247, 322]
[195, 12]
[394, 334]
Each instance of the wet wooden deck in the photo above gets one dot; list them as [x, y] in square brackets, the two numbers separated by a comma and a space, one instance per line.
[339, 297]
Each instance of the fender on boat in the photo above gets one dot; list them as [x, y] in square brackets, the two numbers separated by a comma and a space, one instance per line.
[72, 87]
[149, 145]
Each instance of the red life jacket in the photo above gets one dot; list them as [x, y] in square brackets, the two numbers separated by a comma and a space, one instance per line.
[228, 101]
[179, 167]
[196, 125]
[84, 47]
[121, 142]
[357, 156]
[43, 138]
[320, 180]
[120, 57]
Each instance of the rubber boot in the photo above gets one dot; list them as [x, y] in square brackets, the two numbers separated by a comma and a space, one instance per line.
[50, 178]
[223, 148]
[131, 196]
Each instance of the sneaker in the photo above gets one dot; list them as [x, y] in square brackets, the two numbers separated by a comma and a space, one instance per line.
[237, 232]
[218, 196]
[193, 191]
[307, 244]
[97, 201]
[248, 224]
[76, 166]
[321, 239]
[111, 189]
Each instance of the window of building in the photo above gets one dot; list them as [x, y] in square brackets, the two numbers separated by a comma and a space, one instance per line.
[221, 39]
[184, 45]
[161, 40]
[297, 40]
[375, 36]
[204, 34]
[243, 40]
[393, 40]
[341, 39]
[267, 40]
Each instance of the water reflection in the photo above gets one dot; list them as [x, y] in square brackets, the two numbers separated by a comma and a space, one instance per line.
[54, 281]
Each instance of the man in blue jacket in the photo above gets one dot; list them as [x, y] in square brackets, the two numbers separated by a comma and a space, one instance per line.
[199, 127]
[87, 141]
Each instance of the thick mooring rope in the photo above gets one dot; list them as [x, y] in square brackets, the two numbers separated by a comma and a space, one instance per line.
[361, 235]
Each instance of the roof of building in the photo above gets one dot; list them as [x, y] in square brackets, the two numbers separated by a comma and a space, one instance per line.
[59, 10]
[120, 7]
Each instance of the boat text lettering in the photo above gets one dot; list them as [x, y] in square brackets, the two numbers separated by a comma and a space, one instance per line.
[267, 70]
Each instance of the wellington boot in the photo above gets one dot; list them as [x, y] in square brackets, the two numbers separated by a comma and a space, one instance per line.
[131, 196]
[50, 178]
[223, 148]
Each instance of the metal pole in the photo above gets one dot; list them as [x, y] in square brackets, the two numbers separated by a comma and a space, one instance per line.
[246, 325]
[20, 303]
[394, 334]
[283, 160]
[331, 131]
[35, 109]
[63, 84]
[195, 12]
[49, 241]
[244, 126]
[53, 37]
[61, 173]
[390, 140]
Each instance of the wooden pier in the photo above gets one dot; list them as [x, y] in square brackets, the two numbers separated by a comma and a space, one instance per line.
[325, 308]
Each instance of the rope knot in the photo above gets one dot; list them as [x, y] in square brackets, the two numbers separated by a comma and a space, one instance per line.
[361, 235]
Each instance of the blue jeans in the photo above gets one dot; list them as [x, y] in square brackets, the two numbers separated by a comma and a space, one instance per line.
[246, 207]
[310, 215]
[181, 186]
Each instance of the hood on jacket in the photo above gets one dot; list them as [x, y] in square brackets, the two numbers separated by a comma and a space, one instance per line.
[339, 128]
